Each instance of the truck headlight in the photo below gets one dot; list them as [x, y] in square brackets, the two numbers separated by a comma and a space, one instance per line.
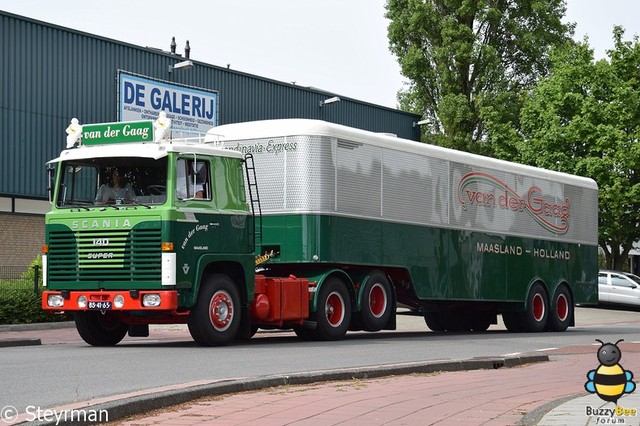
[118, 301]
[82, 301]
[151, 300]
[55, 301]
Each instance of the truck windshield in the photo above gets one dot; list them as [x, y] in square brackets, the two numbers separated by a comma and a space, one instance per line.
[112, 181]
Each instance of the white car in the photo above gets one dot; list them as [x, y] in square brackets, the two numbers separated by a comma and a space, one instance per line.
[619, 288]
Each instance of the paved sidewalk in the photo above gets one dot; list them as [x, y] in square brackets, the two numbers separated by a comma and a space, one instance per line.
[545, 393]
[525, 395]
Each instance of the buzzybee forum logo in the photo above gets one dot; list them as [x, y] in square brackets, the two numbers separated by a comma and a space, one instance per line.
[610, 381]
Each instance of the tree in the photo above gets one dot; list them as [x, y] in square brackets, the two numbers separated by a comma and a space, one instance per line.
[584, 118]
[467, 62]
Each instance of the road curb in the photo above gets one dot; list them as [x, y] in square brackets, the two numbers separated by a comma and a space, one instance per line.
[6, 343]
[37, 326]
[534, 417]
[128, 406]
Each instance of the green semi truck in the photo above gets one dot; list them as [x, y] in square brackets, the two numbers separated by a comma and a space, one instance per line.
[310, 226]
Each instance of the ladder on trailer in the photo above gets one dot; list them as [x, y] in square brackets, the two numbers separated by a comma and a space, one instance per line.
[254, 201]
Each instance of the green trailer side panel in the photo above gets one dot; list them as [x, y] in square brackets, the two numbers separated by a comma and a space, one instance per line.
[444, 264]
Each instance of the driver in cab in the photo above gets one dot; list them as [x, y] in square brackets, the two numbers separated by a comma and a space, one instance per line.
[114, 192]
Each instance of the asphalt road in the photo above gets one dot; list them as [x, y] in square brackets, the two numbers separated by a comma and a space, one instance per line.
[52, 375]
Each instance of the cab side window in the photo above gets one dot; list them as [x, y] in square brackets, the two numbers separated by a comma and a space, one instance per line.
[192, 180]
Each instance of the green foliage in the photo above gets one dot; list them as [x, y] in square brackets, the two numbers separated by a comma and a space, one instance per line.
[584, 118]
[29, 275]
[468, 61]
[19, 304]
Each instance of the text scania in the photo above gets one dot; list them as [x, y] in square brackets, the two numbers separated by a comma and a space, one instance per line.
[97, 224]
[170, 101]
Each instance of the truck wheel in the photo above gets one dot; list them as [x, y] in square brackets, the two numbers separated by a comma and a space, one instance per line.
[433, 321]
[303, 333]
[534, 319]
[376, 302]
[511, 321]
[215, 318]
[481, 321]
[334, 310]
[100, 329]
[561, 310]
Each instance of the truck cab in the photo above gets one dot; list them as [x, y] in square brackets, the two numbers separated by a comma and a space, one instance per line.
[139, 226]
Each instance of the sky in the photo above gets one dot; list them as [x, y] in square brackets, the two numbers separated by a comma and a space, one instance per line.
[339, 46]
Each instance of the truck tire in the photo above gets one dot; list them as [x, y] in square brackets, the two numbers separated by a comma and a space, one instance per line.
[433, 321]
[334, 311]
[376, 302]
[535, 317]
[215, 318]
[481, 321]
[100, 329]
[561, 315]
[303, 333]
[511, 321]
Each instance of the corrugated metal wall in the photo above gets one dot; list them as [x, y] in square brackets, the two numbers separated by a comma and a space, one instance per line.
[49, 74]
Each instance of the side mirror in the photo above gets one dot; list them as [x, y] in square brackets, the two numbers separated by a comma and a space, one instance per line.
[51, 178]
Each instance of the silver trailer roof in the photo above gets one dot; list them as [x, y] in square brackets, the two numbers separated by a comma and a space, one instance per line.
[298, 127]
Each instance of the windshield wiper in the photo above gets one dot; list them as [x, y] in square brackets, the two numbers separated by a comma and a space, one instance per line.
[104, 206]
[137, 203]
[78, 205]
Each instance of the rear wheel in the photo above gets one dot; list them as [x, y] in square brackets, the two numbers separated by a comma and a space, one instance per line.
[100, 329]
[376, 302]
[534, 319]
[561, 315]
[433, 321]
[482, 321]
[512, 321]
[215, 318]
[334, 310]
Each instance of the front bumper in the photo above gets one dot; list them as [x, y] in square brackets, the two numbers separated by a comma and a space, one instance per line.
[113, 300]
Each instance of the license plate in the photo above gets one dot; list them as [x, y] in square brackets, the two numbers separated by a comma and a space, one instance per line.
[99, 306]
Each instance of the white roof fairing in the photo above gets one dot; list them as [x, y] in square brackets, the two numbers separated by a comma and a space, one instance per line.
[300, 127]
[143, 150]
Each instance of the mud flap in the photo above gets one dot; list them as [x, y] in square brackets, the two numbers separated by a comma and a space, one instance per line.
[139, 330]
[245, 332]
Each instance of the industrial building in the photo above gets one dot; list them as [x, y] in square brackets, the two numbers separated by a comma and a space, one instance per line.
[50, 74]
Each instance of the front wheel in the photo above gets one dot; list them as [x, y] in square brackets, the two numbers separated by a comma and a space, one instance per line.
[215, 318]
[100, 329]
[334, 310]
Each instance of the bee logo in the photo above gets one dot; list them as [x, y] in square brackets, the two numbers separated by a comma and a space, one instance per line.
[610, 381]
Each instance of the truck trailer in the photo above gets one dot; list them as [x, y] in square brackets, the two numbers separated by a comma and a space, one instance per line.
[310, 226]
